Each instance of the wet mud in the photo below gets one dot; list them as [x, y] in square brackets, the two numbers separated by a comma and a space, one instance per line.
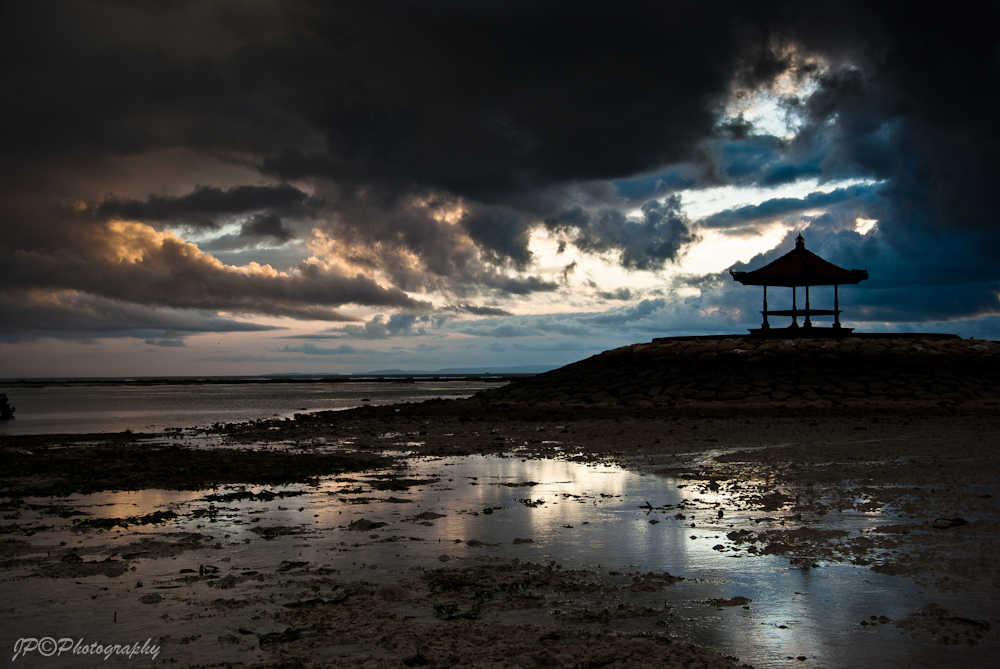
[319, 541]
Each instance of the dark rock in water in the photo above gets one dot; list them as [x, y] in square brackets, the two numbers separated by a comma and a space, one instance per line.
[288, 565]
[732, 601]
[947, 523]
[364, 525]
[276, 531]
[6, 410]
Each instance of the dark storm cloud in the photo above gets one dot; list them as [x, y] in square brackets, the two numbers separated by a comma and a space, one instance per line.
[767, 161]
[201, 207]
[483, 102]
[425, 242]
[478, 310]
[493, 105]
[398, 325]
[26, 315]
[917, 110]
[260, 231]
[663, 183]
[267, 225]
[777, 208]
[437, 136]
[500, 100]
[311, 292]
[646, 243]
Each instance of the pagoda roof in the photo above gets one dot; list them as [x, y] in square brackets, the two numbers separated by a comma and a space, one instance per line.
[800, 267]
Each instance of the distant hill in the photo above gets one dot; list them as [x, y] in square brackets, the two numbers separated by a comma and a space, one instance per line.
[521, 369]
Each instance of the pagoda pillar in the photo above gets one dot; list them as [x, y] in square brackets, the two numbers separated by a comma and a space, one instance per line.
[808, 322]
[836, 308]
[765, 325]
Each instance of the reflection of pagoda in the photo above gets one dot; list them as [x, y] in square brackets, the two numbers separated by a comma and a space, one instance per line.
[800, 267]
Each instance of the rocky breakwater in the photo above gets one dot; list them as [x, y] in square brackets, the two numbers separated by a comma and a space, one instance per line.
[745, 370]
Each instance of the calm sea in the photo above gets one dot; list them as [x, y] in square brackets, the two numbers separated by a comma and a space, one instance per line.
[76, 408]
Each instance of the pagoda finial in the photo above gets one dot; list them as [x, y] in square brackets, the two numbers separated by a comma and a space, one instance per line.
[799, 242]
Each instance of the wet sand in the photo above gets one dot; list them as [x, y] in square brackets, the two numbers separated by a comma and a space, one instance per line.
[901, 488]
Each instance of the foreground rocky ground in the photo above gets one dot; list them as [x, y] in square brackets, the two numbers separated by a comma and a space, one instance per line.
[779, 438]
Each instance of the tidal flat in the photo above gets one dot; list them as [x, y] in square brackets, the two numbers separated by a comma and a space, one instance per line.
[458, 534]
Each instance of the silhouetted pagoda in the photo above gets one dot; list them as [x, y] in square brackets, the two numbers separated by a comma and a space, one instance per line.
[800, 267]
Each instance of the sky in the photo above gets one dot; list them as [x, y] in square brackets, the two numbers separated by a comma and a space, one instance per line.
[251, 187]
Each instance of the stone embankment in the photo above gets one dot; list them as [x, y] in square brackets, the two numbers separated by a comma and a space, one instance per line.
[745, 370]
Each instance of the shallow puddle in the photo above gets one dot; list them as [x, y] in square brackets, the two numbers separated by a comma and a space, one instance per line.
[193, 569]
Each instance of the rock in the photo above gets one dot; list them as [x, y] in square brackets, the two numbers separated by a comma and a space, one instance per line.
[732, 601]
[364, 525]
[776, 548]
[226, 582]
[947, 523]
[151, 598]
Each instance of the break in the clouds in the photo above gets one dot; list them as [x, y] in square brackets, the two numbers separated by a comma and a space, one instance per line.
[262, 162]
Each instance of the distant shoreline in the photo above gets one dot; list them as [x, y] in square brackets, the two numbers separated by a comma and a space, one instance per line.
[282, 379]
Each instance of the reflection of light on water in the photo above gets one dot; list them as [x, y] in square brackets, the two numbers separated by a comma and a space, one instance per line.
[592, 514]
[136, 503]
